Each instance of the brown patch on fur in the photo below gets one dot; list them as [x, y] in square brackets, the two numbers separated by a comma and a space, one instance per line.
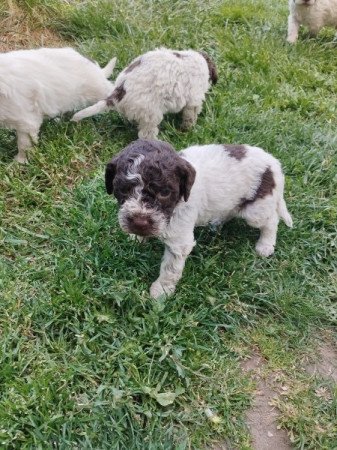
[20, 30]
[179, 55]
[133, 65]
[213, 74]
[116, 96]
[266, 187]
[236, 151]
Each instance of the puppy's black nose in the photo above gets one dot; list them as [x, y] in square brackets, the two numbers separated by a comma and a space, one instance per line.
[140, 221]
[141, 225]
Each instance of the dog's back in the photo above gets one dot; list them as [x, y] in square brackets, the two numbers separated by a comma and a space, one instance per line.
[152, 79]
[230, 178]
[48, 82]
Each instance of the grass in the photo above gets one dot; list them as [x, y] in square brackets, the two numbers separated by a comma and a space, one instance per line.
[87, 359]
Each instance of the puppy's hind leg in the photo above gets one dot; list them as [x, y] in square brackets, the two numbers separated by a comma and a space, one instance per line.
[262, 214]
[266, 244]
[190, 116]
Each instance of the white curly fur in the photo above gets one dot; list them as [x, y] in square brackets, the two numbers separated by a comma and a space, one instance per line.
[46, 82]
[220, 185]
[315, 14]
[161, 83]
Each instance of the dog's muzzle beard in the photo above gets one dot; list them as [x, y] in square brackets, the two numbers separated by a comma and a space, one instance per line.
[137, 218]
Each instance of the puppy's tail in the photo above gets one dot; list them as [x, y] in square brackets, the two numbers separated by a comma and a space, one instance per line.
[284, 213]
[213, 73]
[97, 108]
[108, 69]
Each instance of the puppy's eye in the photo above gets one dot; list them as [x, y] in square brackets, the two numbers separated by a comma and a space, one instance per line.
[164, 193]
[124, 190]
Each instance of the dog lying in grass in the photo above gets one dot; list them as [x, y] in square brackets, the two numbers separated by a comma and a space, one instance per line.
[315, 14]
[159, 82]
[45, 83]
[166, 194]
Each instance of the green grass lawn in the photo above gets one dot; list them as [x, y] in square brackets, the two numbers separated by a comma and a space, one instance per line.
[87, 359]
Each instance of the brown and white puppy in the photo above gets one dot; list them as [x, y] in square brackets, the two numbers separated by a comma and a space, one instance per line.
[166, 194]
[315, 14]
[159, 82]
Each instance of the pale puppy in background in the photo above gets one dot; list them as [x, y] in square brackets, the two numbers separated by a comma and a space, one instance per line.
[159, 82]
[315, 14]
[45, 83]
[167, 194]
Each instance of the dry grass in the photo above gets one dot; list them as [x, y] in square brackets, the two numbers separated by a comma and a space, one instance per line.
[23, 27]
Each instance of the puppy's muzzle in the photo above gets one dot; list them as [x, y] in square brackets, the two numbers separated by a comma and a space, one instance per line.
[141, 225]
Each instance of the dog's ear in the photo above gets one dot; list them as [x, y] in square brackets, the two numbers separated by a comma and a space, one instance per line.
[110, 172]
[186, 173]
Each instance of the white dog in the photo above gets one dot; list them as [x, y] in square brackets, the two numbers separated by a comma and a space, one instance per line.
[315, 14]
[45, 83]
[166, 194]
[158, 82]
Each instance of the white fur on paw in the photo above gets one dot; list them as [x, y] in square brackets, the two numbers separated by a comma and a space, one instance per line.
[264, 249]
[21, 159]
[291, 39]
[135, 237]
[148, 135]
[157, 290]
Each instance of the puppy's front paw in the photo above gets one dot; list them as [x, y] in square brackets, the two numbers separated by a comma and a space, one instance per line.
[264, 249]
[135, 237]
[157, 290]
[21, 159]
[291, 39]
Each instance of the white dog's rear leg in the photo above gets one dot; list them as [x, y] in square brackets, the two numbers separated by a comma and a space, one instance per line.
[293, 28]
[190, 116]
[171, 270]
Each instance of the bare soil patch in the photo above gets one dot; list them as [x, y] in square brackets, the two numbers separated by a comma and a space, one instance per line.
[262, 416]
[326, 364]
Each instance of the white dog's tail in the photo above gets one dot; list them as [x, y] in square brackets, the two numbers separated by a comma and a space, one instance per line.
[284, 213]
[108, 69]
[97, 108]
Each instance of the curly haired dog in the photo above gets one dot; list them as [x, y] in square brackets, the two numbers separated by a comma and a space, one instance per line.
[159, 82]
[45, 83]
[315, 14]
[166, 194]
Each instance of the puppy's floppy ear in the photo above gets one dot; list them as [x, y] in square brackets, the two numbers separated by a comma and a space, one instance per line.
[186, 173]
[110, 172]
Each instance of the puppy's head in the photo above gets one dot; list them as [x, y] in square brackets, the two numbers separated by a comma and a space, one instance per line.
[304, 2]
[148, 179]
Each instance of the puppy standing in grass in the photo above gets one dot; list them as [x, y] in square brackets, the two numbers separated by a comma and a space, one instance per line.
[315, 14]
[166, 194]
[45, 83]
[159, 82]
